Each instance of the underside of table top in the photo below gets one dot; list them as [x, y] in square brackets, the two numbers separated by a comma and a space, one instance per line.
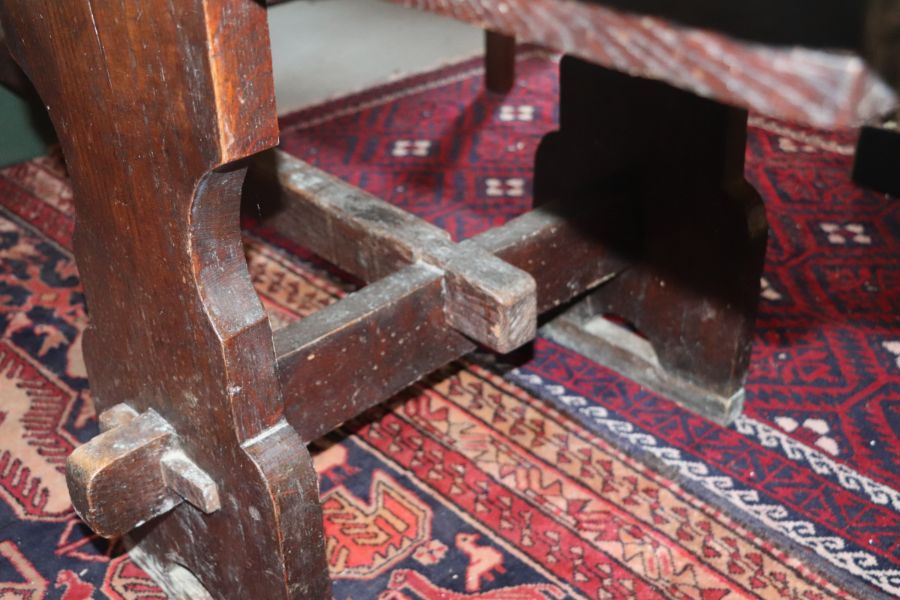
[775, 66]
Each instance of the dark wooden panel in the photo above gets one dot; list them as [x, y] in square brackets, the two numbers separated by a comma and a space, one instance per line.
[664, 170]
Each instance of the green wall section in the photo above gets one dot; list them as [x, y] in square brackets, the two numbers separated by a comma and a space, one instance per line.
[25, 130]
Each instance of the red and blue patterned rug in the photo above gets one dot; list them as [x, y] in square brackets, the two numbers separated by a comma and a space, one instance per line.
[554, 478]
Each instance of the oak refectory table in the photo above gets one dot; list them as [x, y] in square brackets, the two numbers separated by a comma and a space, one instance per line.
[161, 108]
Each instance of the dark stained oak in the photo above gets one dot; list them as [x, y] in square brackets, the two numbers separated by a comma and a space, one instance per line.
[128, 456]
[553, 246]
[154, 102]
[664, 170]
[144, 451]
[486, 298]
[355, 353]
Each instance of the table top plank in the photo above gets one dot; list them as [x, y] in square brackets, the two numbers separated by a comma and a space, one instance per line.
[821, 87]
[811, 23]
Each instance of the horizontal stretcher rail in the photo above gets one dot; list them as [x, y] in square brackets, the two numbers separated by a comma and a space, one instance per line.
[486, 298]
[429, 297]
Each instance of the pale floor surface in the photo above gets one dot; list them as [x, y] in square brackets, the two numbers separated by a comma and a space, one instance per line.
[323, 49]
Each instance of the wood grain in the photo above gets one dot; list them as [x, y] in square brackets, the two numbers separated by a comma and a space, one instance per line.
[564, 251]
[363, 349]
[137, 457]
[689, 228]
[153, 102]
[353, 354]
[124, 461]
[499, 62]
[486, 299]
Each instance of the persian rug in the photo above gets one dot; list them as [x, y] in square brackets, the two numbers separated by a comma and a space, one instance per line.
[550, 478]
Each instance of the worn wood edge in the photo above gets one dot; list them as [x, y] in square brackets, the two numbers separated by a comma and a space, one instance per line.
[115, 416]
[189, 481]
[292, 341]
[115, 481]
[630, 355]
[246, 123]
[284, 463]
[512, 234]
[487, 299]
[247, 116]
[138, 456]
[325, 214]
[233, 309]
[305, 347]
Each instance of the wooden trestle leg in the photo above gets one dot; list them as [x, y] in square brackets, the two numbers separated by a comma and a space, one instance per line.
[664, 169]
[154, 101]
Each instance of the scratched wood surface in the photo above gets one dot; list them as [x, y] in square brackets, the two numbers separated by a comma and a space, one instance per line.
[154, 101]
[487, 299]
[428, 298]
[690, 227]
[820, 87]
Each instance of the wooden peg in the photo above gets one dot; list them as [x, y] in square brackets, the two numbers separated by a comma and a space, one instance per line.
[133, 472]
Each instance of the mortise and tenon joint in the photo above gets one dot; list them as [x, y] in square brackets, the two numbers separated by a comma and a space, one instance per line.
[136, 458]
